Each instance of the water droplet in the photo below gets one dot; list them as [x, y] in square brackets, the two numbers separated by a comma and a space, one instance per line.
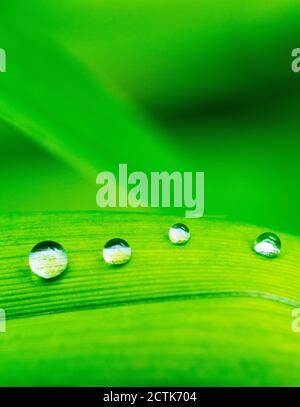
[117, 251]
[267, 245]
[48, 259]
[179, 233]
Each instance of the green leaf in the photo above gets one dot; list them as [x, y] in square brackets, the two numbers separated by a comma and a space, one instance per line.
[209, 312]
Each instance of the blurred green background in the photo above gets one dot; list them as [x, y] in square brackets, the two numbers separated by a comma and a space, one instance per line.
[166, 85]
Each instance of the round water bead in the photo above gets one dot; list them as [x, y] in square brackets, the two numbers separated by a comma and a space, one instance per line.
[116, 251]
[48, 259]
[179, 233]
[267, 245]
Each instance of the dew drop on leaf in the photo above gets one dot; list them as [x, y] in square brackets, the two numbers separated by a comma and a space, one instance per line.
[179, 233]
[267, 245]
[48, 259]
[116, 251]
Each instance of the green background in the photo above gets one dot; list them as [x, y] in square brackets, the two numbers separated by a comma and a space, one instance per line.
[198, 87]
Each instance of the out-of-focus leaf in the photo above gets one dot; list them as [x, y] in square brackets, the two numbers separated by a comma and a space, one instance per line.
[51, 97]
